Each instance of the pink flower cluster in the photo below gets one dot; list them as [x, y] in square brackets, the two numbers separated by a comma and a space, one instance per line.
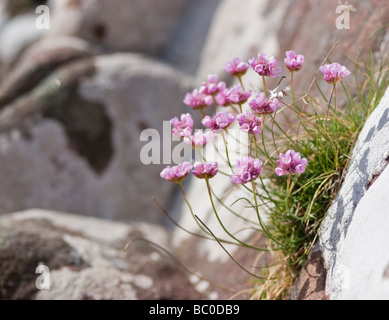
[290, 163]
[247, 169]
[264, 66]
[334, 72]
[293, 61]
[184, 127]
[178, 173]
[199, 139]
[212, 86]
[219, 122]
[214, 91]
[260, 104]
[236, 67]
[234, 95]
[249, 122]
[201, 170]
[205, 170]
[197, 100]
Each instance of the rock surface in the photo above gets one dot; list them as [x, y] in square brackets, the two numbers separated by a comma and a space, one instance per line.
[138, 26]
[351, 254]
[87, 259]
[352, 240]
[76, 138]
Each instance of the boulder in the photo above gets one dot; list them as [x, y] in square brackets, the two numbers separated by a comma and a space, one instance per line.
[73, 143]
[15, 36]
[139, 26]
[50, 255]
[240, 30]
[184, 47]
[38, 61]
[353, 242]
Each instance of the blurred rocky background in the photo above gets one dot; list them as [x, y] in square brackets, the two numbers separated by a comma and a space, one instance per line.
[74, 100]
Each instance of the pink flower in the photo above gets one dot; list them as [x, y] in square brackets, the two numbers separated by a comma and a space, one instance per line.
[236, 67]
[199, 139]
[290, 163]
[262, 105]
[219, 122]
[247, 169]
[236, 94]
[334, 72]
[177, 173]
[197, 100]
[213, 86]
[293, 61]
[184, 127]
[249, 122]
[205, 170]
[265, 67]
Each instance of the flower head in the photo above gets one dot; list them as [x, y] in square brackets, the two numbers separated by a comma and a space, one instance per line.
[205, 170]
[249, 122]
[236, 67]
[293, 61]
[197, 100]
[290, 163]
[237, 95]
[262, 105]
[334, 72]
[219, 122]
[247, 169]
[212, 86]
[184, 127]
[178, 173]
[199, 139]
[265, 67]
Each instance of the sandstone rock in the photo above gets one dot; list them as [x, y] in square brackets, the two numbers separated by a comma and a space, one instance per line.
[140, 26]
[87, 259]
[78, 146]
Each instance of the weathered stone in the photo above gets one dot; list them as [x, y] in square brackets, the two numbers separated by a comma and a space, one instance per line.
[87, 258]
[38, 62]
[352, 236]
[309, 27]
[184, 47]
[15, 36]
[311, 282]
[140, 26]
[240, 31]
[79, 142]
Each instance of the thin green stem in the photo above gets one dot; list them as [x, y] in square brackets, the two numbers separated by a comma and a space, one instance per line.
[222, 225]
[190, 208]
[264, 229]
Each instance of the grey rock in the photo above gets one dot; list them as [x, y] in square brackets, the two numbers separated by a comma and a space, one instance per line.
[139, 26]
[87, 258]
[240, 31]
[38, 61]
[186, 43]
[16, 35]
[76, 138]
[353, 236]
